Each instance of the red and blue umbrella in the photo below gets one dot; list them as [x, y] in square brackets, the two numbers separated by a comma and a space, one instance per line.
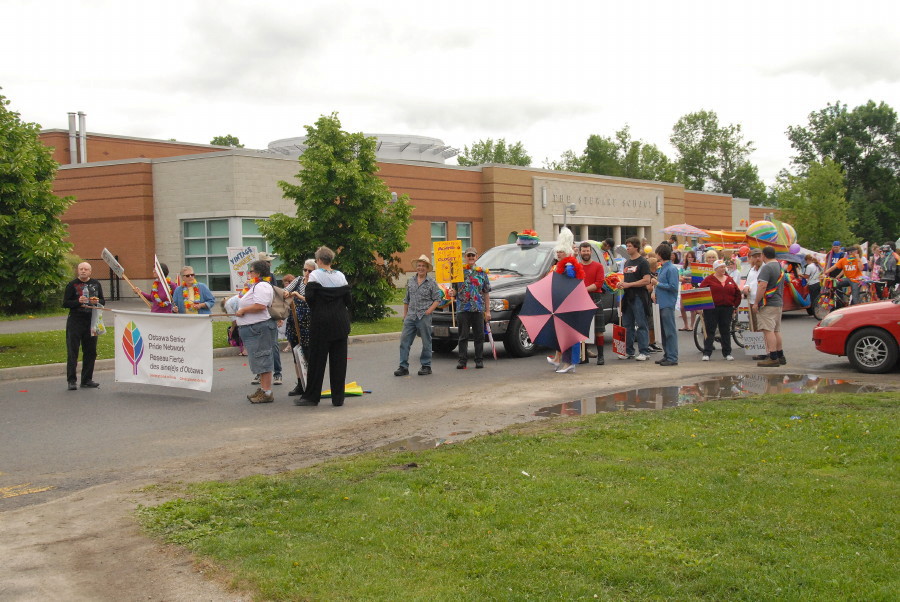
[557, 311]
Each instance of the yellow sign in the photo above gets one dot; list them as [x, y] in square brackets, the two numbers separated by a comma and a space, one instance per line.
[448, 261]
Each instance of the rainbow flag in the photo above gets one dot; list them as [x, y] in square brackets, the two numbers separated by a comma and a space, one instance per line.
[699, 271]
[696, 299]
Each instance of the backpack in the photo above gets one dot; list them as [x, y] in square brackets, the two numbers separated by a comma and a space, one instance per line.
[280, 308]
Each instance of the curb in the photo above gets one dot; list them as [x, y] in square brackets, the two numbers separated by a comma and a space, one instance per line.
[45, 370]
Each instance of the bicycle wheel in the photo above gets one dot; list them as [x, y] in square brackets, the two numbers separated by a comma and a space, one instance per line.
[824, 305]
[700, 333]
[865, 295]
[738, 329]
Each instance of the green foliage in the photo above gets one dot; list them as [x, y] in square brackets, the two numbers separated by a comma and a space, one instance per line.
[32, 236]
[714, 158]
[865, 142]
[620, 156]
[487, 151]
[790, 497]
[227, 140]
[344, 205]
[815, 204]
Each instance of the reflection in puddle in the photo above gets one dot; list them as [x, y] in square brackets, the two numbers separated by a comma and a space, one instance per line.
[420, 443]
[722, 387]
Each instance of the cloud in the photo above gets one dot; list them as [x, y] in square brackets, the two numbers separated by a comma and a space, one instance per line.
[862, 61]
[494, 114]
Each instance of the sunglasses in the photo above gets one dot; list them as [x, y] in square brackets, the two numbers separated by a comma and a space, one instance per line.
[308, 270]
[187, 275]
[471, 255]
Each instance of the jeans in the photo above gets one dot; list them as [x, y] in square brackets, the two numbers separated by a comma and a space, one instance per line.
[854, 288]
[635, 317]
[669, 334]
[412, 327]
[276, 354]
[720, 318]
[473, 320]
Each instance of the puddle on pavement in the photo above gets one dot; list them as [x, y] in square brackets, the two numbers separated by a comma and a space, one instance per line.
[420, 443]
[721, 387]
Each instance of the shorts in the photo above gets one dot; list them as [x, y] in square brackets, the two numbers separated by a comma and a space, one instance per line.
[769, 318]
[259, 340]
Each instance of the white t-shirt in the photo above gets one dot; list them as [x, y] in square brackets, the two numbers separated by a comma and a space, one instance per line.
[328, 278]
[813, 272]
[752, 277]
[261, 293]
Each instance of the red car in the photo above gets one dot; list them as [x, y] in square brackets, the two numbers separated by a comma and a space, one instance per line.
[867, 334]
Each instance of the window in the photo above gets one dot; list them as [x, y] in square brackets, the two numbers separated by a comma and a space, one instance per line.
[206, 243]
[250, 236]
[438, 231]
[464, 233]
[600, 233]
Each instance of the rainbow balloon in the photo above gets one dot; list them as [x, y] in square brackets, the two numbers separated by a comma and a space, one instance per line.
[763, 230]
[790, 233]
[133, 345]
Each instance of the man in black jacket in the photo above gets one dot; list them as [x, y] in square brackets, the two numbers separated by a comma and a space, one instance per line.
[81, 293]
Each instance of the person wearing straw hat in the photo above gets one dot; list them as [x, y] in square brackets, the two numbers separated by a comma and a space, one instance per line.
[422, 297]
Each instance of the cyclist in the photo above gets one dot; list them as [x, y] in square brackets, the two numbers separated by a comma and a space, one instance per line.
[852, 270]
[889, 267]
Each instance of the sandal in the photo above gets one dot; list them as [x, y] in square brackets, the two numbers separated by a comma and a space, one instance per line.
[685, 329]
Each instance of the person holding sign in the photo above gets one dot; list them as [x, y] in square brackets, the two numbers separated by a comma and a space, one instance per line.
[80, 295]
[726, 295]
[422, 297]
[192, 297]
[160, 295]
[473, 305]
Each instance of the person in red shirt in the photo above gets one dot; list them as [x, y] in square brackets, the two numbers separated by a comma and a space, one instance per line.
[594, 276]
[851, 267]
[726, 296]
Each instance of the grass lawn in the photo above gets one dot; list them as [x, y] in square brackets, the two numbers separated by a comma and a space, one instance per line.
[791, 496]
[35, 348]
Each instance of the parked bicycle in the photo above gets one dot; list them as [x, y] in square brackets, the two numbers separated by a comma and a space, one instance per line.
[738, 329]
[832, 297]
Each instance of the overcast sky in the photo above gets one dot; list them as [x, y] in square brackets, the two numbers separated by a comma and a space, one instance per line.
[546, 73]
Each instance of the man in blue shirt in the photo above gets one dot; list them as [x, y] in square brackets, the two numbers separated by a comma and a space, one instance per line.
[472, 308]
[665, 294]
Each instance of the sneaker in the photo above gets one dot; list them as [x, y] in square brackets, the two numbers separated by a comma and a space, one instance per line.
[425, 371]
[626, 357]
[705, 358]
[255, 380]
[89, 384]
[461, 365]
[640, 357]
[782, 361]
[479, 364]
[659, 361]
[401, 371]
[73, 386]
[769, 363]
[261, 397]
[655, 348]
[729, 358]
[276, 380]
[668, 363]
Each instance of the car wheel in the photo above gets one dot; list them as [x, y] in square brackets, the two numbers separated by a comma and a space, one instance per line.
[872, 350]
[517, 342]
[443, 346]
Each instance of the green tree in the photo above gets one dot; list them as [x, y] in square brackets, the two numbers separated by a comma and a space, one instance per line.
[815, 203]
[714, 158]
[344, 205]
[487, 151]
[865, 142]
[32, 236]
[621, 156]
[227, 140]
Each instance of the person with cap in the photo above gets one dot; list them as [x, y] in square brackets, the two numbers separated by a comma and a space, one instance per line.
[473, 305]
[770, 300]
[852, 269]
[754, 258]
[422, 298]
[726, 295]
[834, 255]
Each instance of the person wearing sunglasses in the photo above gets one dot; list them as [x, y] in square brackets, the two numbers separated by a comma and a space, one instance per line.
[192, 297]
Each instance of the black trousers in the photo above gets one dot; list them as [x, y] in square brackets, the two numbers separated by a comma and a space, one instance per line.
[78, 336]
[720, 318]
[335, 353]
[474, 321]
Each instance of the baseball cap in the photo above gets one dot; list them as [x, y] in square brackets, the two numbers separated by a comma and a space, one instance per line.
[755, 251]
[718, 263]
[836, 243]
[470, 250]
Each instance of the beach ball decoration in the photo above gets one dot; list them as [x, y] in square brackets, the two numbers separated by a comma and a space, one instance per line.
[763, 230]
[743, 251]
[790, 233]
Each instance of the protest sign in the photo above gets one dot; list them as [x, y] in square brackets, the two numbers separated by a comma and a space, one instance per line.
[754, 343]
[697, 299]
[239, 259]
[618, 342]
[448, 261]
[169, 350]
[699, 271]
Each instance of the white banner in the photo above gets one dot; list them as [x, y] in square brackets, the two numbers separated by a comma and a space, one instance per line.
[754, 343]
[170, 350]
[239, 259]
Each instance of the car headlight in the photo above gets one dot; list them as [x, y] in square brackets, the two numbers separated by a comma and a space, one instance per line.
[832, 319]
[499, 304]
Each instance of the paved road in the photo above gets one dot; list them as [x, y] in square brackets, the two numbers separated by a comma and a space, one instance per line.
[53, 438]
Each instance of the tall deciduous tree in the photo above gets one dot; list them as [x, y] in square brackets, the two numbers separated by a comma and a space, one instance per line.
[815, 203]
[344, 205]
[621, 156]
[714, 158]
[865, 142]
[488, 151]
[32, 236]
[227, 140]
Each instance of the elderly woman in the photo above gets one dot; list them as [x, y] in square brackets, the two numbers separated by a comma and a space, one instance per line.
[300, 318]
[726, 296]
[159, 301]
[192, 297]
[328, 296]
[258, 329]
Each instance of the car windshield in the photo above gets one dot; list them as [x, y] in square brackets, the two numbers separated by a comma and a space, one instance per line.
[516, 260]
